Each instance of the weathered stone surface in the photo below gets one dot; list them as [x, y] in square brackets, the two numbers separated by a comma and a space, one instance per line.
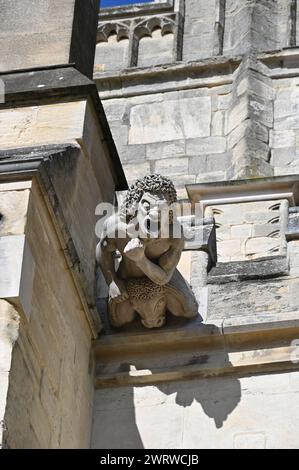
[170, 120]
[200, 37]
[209, 145]
[69, 27]
[292, 232]
[278, 295]
[112, 55]
[258, 25]
[156, 50]
[43, 375]
[13, 210]
[203, 414]
[9, 327]
[251, 130]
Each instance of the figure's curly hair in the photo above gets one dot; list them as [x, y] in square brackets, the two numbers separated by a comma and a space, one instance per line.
[154, 184]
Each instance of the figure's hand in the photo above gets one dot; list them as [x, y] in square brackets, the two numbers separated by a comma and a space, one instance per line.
[117, 291]
[134, 250]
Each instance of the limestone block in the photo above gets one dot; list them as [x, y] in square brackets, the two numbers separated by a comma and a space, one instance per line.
[217, 162]
[209, 145]
[198, 164]
[170, 120]
[13, 210]
[224, 101]
[208, 177]
[164, 150]
[218, 123]
[265, 230]
[251, 129]
[241, 231]
[262, 217]
[238, 113]
[112, 55]
[156, 49]
[133, 171]
[172, 166]
[199, 40]
[281, 157]
[287, 170]
[261, 246]
[47, 381]
[223, 233]
[284, 108]
[208, 163]
[228, 248]
[290, 122]
[248, 269]
[131, 153]
[9, 326]
[29, 126]
[70, 27]
[115, 109]
[281, 139]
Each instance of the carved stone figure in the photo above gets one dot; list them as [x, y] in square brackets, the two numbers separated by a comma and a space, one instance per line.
[139, 250]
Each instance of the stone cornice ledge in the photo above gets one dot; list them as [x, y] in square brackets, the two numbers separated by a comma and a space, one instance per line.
[36, 87]
[240, 345]
[256, 189]
[204, 73]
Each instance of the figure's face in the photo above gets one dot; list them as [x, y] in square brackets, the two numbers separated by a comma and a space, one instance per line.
[153, 214]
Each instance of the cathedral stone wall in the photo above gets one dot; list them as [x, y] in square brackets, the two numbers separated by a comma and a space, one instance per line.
[49, 398]
[220, 118]
[213, 413]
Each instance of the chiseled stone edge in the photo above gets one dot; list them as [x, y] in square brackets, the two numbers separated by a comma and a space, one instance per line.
[265, 360]
[49, 85]
[24, 164]
[234, 347]
[236, 271]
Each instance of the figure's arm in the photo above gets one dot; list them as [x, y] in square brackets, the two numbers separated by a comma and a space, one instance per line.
[105, 257]
[162, 272]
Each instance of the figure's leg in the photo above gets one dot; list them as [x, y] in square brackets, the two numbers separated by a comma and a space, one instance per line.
[121, 313]
[181, 301]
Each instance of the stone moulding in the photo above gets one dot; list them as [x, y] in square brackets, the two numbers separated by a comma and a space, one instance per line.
[137, 28]
[240, 345]
[133, 22]
[256, 189]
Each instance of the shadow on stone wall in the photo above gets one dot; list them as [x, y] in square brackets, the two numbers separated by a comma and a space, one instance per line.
[217, 402]
[136, 413]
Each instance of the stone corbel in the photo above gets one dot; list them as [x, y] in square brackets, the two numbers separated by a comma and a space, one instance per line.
[204, 239]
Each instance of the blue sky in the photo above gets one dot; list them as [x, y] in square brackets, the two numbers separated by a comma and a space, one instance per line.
[112, 3]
